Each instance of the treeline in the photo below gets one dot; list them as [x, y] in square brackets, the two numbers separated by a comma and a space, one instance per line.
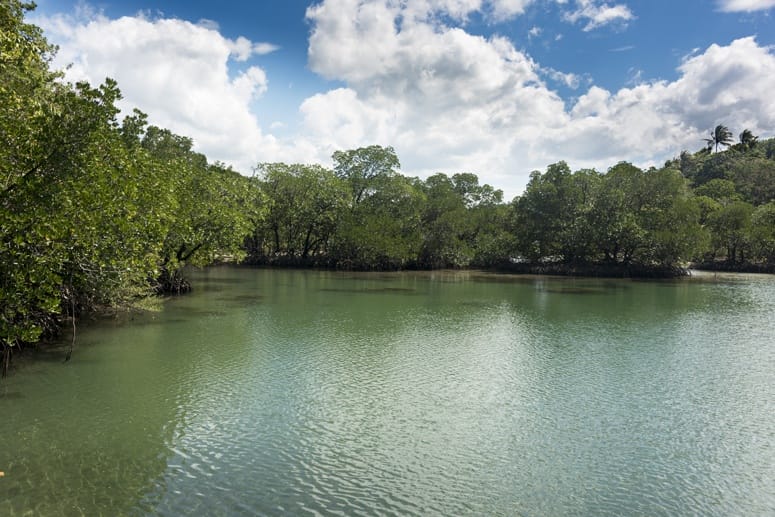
[364, 214]
[98, 212]
[715, 209]
[711, 208]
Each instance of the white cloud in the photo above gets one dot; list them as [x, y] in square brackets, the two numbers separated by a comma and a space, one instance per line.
[446, 100]
[177, 72]
[240, 49]
[208, 24]
[264, 48]
[243, 49]
[649, 122]
[598, 14]
[505, 9]
[460, 10]
[731, 6]
[451, 101]
[570, 80]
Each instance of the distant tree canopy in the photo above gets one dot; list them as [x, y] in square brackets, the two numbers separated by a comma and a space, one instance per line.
[363, 214]
[97, 213]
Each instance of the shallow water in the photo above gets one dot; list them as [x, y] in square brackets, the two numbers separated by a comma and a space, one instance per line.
[448, 393]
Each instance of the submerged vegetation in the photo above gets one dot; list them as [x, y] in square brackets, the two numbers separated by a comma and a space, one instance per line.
[98, 213]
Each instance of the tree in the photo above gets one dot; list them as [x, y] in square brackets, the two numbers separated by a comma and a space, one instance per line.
[721, 135]
[754, 178]
[381, 229]
[304, 205]
[721, 190]
[669, 218]
[748, 140]
[613, 219]
[763, 232]
[91, 209]
[550, 216]
[210, 216]
[731, 227]
[76, 232]
[445, 222]
[467, 186]
[364, 167]
[485, 231]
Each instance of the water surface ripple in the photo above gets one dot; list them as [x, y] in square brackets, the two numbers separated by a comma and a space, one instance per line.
[297, 392]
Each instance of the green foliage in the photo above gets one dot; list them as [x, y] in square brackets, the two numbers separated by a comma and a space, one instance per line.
[90, 209]
[721, 135]
[762, 233]
[364, 168]
[381, 231]
[748, 140]
[669, 218]
[626, 215]
[446, 225]
[750, 166]
[461, 222]
[754, 178]
[66, 242]
[553, 214]
[613, 219]
[730, 228]
[304, 205]
[720, 190]
[365, 215]
[730, 187]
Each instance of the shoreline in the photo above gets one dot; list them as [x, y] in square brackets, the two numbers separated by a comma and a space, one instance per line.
[639, 271]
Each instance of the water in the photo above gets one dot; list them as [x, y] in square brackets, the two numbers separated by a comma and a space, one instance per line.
[298, 392]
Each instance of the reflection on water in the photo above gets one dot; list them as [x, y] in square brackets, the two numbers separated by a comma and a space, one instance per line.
[268, 392]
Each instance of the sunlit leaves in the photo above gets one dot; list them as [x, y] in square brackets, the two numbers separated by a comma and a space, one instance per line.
[304, 205]
[90, 209]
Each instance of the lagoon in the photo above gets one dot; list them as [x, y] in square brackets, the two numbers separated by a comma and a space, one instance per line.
[269, 392]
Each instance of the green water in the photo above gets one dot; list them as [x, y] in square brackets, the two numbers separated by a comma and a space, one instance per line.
[297, 392]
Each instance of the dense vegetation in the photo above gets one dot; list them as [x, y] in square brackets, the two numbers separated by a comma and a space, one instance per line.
[97, 212]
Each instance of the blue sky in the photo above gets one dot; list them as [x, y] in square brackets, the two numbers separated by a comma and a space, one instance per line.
[495, 87]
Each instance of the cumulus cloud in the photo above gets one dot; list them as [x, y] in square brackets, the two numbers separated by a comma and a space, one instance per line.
[458, 11]
[452, 101]
[571, 80]
[243, 49]
[447, 100]
[505, 9]
[176, 71]
[444, 97]
[648, 122]
[731, 6]
[598, 14]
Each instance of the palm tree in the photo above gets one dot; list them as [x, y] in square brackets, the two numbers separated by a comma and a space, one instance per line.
[747, 139]
[720, 136]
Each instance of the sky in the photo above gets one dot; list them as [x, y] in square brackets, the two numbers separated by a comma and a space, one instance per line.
[495, 87]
